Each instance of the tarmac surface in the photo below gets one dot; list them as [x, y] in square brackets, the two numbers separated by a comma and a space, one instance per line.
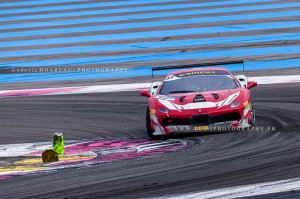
[211, 161]
[82, 34]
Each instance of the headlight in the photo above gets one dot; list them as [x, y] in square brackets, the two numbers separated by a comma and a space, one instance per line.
[163, 110]
[235, 104]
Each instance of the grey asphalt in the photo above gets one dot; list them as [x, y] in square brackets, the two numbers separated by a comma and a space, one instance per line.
[223, 160]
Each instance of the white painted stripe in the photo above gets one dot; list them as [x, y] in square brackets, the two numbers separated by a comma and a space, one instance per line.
[243, 191]
[126, 87]
[14, 150]
[74, 90]
[275, 79]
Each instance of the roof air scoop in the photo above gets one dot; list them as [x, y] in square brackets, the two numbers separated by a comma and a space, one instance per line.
[199, 98]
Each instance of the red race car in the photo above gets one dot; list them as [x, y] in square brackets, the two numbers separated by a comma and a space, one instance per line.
[197, 100]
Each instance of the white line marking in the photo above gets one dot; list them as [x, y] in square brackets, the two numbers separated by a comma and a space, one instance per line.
[275, 79]
[126, 87]
[243, 191]
[14, 150]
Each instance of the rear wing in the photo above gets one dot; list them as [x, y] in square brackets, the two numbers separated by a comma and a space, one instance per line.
[197, 65]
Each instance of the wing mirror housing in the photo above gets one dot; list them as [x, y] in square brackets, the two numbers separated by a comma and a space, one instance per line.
[242, 79]
[154, 88]
[251, 84]
[145, 93]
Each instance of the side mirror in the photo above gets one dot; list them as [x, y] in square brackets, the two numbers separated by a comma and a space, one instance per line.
[154, 87]
[242, 80]
[145, 93]
[251, 84]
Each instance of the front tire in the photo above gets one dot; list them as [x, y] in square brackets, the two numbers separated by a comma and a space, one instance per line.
[150, 130]
[148, 124]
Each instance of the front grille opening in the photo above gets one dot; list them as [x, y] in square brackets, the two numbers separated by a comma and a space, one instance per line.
[172, 121]
[226, 117]
[201, 119]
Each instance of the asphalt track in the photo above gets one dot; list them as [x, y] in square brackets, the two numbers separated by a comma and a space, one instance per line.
[219, 160]
[112, 33]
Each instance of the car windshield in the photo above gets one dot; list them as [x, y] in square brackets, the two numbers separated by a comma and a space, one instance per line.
[198, 83]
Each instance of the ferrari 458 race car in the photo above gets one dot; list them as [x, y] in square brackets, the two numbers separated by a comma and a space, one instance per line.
[199, 100]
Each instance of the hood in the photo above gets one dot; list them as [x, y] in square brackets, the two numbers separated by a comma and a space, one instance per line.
[198, 100]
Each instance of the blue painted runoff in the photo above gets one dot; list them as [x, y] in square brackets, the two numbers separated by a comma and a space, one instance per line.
[139, 9]
[152, 57]
[262, 8]
[153, 45]
[128, 26]
[29, 3]
[149, 34]
[79, 6]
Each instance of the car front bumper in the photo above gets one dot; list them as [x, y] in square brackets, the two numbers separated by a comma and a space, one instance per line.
[231, 121]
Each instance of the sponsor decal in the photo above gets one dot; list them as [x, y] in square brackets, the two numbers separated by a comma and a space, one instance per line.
[180, 128]
[197, 73]
[202, 72]
[226, 122]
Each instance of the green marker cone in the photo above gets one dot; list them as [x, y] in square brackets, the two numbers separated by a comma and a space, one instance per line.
[58, 143]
